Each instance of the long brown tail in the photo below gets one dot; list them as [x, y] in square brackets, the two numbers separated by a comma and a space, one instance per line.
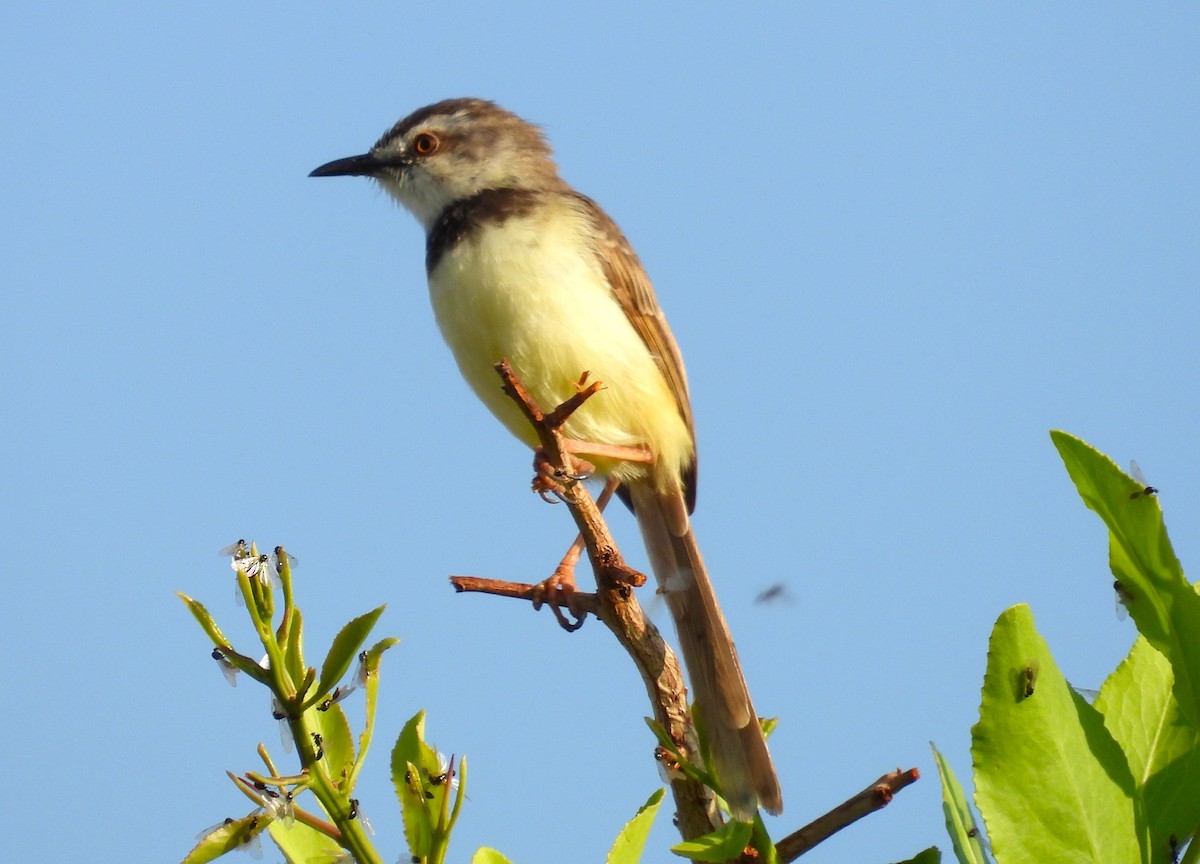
[739, 751]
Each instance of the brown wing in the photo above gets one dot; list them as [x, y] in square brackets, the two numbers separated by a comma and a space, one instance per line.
[633, 291]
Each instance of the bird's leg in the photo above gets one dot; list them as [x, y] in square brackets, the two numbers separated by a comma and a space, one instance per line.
[641, 455]
[559, 588]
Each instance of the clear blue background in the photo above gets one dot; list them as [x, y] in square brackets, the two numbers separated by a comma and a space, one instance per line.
[896, 246]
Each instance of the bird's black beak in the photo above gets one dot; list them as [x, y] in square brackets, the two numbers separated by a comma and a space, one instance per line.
[366, 165]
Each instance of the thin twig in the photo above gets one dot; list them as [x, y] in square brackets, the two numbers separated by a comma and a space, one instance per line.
[875, 797]
[518, 591]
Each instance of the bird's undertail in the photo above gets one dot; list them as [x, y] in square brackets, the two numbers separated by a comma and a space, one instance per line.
[736, 743]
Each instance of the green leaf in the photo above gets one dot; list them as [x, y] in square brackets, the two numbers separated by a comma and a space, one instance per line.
[629, 844]
[337, 742]
[1050, 781]
[484, 855]
[1162, 747]
[960, 824]
[929, 856]
[411, 747]
[413, 764]
[1162, 603]
[345, 649]
[418, 821]
[371, 673]
[376, 651]
[301, 844]
[725, 844]
[225, 838]
[205, 620]
[768, 725]
[294, 650]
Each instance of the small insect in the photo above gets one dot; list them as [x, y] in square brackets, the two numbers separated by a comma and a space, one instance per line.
[973, 833]
[1029, 679]
[1173, 843]
[338, 694]
[250, 843]
[361, 672]
[285, 729]
[239, 554]
[1124, 599]
[211, 828]
[253, 842]
[279, 806]
[356, 813]
[318, 746]
[668, 765]
[1135, 471]
[235, 550]
[279, 556]
[773, 593]
[445, 772]
[227, 669]
[255, 566]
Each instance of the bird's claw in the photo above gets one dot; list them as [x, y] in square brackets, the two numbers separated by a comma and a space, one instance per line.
[549, 480]
[557, 592]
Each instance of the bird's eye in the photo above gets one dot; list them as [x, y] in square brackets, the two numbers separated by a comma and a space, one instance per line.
[425, 143]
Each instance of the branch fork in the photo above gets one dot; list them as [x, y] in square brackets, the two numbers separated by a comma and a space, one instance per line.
[559, 472]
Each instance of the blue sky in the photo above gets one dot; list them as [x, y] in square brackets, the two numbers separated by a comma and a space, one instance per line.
[896, 245]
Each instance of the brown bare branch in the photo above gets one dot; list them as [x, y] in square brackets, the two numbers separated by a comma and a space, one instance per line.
[582, 601]
[875, 797]
[614, 601]
[615, 605]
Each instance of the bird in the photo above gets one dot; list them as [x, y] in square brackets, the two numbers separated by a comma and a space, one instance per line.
[524, 268]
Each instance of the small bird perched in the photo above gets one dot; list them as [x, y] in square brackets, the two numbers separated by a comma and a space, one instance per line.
[524, 268]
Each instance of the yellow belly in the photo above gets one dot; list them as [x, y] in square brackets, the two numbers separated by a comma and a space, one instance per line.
[528, 291]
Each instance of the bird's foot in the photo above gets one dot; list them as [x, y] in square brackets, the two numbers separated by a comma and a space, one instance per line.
[548, 479]
[558, 591]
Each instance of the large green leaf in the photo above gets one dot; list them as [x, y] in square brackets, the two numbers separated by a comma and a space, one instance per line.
[1161, 745]
[414, 764]
[301, 844]
[629, 844]
[960, 824]
[1051, 783]
[1162, 603]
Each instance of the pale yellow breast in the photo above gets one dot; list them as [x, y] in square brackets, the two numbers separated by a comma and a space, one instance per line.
[529, 290]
